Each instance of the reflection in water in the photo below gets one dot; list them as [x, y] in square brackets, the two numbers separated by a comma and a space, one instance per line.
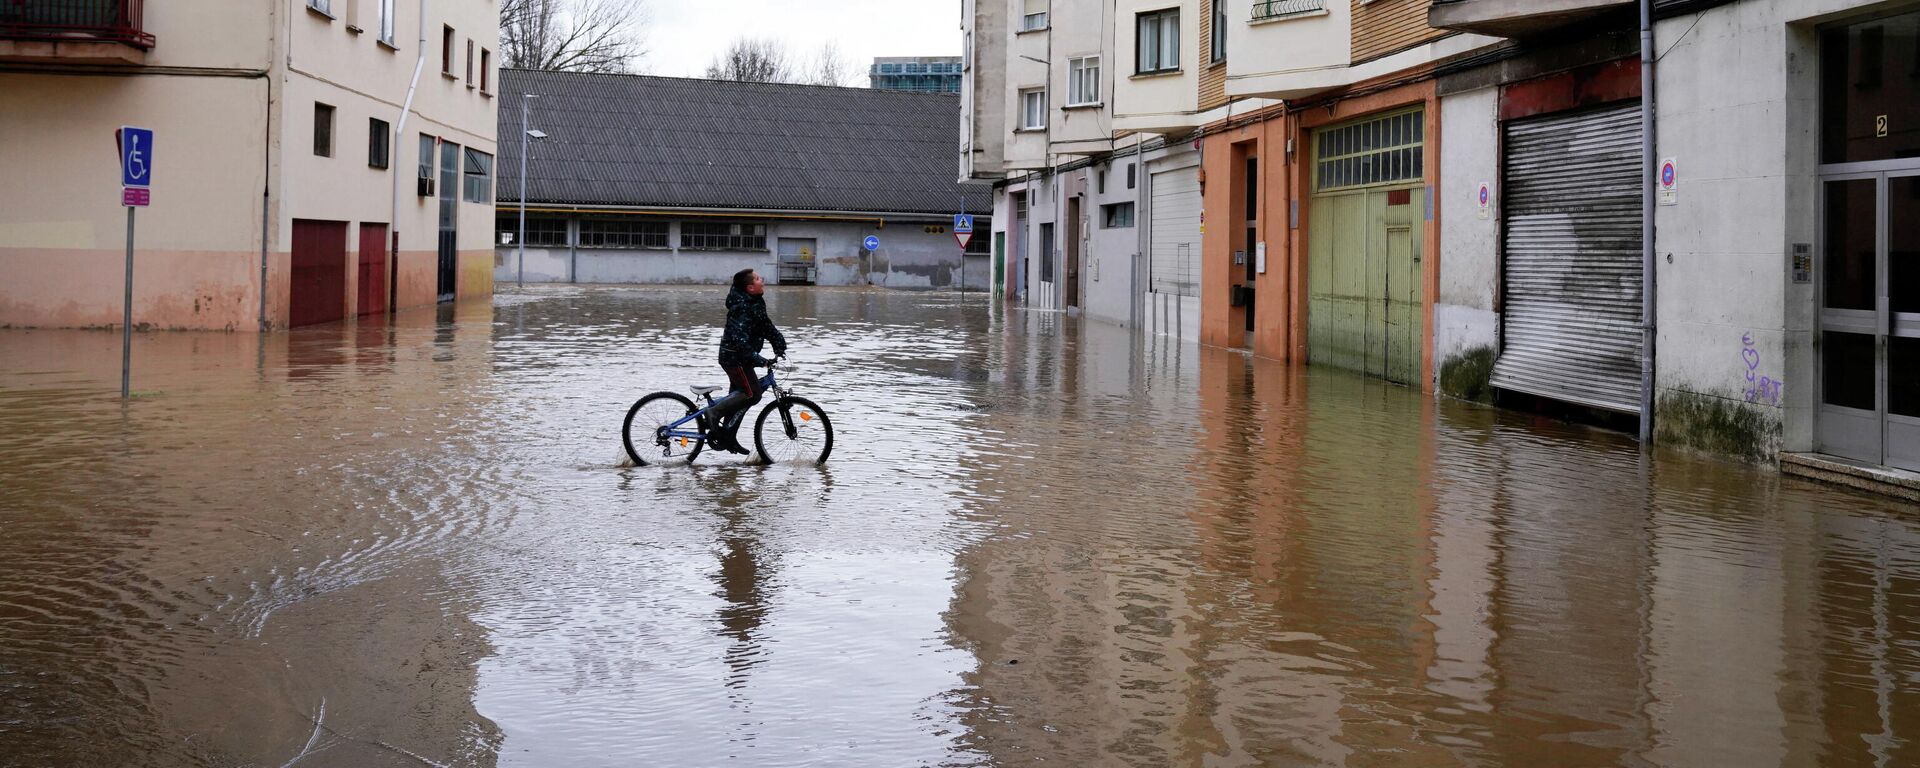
[1039, 540]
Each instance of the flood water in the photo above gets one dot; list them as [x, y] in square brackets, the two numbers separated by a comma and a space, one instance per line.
[1038, 541]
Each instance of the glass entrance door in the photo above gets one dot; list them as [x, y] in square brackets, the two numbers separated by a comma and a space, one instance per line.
[1869, 385]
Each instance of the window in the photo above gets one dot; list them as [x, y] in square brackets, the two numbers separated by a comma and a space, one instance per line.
[980, 244]
[486, 71]
[322, 130]
[621, 233]
[1046, 252]
[1129, 175]
[1375, 151]
[1033, 109]
[477, 180]
[541, 232]
[1159, 42]
[446, 51]
[469, 62]
[703, 235]
[1100, 182]
[1219, 31]
[427, 144]
[386, 21]
[1116, 216]
[1083, 81]
[377, 141]
[323, 6]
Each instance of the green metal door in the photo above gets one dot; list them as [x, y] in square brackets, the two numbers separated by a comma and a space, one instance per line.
[1364, 286]
[999, 263]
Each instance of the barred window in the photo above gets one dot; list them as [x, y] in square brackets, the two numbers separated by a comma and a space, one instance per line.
[541, 232]
[622, 233]
[1376, 151]
[723, 237]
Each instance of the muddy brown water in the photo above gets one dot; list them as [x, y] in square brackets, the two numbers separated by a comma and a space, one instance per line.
[1039, 541]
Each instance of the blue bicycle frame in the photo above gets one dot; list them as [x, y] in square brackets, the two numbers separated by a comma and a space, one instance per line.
[767, 385]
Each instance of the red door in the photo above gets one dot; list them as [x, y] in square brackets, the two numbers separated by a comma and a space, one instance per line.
[319, 286]
[373, 269]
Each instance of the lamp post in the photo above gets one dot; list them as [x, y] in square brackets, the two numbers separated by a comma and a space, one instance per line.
[525, 134]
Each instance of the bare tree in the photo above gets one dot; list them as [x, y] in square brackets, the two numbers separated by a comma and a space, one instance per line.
[753, 60]
[830, 67]
[572, 35]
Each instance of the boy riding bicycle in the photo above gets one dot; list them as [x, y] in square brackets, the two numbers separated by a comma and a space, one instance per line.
[748, 327]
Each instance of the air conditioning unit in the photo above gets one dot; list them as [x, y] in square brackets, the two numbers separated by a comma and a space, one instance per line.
[424, 184]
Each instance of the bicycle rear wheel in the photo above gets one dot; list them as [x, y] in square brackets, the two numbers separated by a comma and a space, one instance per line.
[793, 430]
[641, 433]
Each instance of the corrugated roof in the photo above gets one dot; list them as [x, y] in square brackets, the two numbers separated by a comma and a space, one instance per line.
[680, 142]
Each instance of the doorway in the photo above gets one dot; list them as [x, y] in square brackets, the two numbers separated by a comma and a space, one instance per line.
[317, 292]
[1071, 297]
[1869, 342]
[448, 273]
[1867, 391]
[1250, 245]
[373, 269]
[797, 260]
[1365, 294]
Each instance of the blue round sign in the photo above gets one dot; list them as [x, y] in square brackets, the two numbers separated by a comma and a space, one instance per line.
[872, 242]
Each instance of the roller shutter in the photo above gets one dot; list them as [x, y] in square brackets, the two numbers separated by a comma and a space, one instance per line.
[1176, 231]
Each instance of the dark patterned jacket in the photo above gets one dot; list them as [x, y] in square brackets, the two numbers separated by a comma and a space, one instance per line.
[748, 327]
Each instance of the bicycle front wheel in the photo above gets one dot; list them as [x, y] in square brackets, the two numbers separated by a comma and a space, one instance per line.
[793, 430]
[643, 433]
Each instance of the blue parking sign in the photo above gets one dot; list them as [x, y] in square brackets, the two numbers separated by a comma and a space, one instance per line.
[136, 156]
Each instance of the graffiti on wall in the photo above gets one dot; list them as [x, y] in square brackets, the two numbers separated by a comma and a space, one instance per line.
[1760, 389]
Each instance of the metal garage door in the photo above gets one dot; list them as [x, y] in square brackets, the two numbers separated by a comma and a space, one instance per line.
[1572, 258]
[1176, 231]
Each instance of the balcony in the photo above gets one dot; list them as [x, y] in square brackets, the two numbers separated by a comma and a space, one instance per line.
[73, 32]
[1515, 18]
[1275, 10]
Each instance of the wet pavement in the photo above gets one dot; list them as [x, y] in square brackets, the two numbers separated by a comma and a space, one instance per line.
[1039, 541]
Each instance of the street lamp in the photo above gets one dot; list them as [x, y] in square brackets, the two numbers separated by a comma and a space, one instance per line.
[525, 134]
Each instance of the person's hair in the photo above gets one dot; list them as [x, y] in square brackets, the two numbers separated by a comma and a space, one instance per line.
[742, 278]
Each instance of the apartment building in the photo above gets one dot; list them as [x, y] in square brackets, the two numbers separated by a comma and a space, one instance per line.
[927, 74]
[1452, 195]
[279, 162]
[1097, 205]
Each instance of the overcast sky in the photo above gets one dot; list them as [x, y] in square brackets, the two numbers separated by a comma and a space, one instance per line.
[683, 36]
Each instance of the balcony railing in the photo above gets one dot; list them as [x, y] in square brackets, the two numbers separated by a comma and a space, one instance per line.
[1275, 9]
[74, 21]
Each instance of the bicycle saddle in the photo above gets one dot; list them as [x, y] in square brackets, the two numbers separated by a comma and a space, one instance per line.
[702, 390]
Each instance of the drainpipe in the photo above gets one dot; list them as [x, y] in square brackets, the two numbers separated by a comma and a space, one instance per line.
[393, 153]
[1648, 278]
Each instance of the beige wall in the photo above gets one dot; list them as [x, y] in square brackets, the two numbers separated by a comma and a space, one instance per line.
[63, 231]
[221, 143]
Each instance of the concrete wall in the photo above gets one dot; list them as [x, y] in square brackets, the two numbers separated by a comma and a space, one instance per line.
[983, 88]
[63, 230]
[1463, 313]
[1277, 55]
[1738, 110]
[1026, 68]
[1155, 101]
[910, 257]
[1081, 28]
[1113, 253]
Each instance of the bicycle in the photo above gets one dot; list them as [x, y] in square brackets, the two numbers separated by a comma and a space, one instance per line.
[673, 431]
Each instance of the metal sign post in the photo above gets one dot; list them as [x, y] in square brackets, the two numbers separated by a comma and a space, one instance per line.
[136, 177]
[963, 232]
